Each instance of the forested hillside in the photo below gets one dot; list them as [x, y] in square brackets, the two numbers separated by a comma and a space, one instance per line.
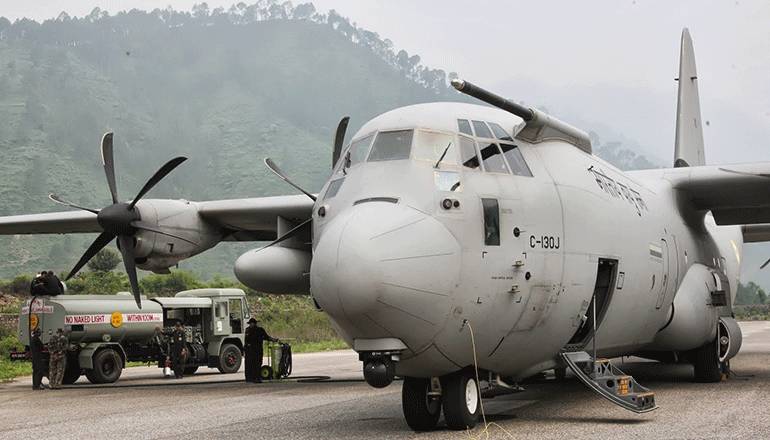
[225, 88]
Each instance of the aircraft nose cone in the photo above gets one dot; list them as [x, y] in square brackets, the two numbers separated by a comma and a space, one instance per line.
[385, 270]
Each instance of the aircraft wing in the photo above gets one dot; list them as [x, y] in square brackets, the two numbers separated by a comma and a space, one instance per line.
[255, 218]
[735, 194]
[50, 223]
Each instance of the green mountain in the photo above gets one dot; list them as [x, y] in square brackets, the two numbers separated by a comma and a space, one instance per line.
[225, 88]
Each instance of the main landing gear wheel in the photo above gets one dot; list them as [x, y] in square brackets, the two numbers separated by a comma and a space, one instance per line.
[461, 400]
[421, 410]
[706, 363]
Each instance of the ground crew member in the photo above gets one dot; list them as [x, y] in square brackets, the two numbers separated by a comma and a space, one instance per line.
[254, 339]
[46, 283]
[38, 365]
[57, 353]
[178, 350]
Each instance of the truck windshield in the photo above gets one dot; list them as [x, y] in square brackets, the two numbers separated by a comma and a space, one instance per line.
[391, 145]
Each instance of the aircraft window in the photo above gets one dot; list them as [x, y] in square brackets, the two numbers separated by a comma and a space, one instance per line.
[491, 222]
[516, 161]
[447, 180]
[334, 188]
[359, 148]
[391, 145]
[431, 146]
[481, 129]
[464, 126]
[468, 154]
[499, 131]
[492, 158]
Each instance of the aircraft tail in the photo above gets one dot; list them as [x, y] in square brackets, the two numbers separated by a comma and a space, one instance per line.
[689, 132]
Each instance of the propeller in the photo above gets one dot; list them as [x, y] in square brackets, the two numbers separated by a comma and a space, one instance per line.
[121, 220]
[339, 139]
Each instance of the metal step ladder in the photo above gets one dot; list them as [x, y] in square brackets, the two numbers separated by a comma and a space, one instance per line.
[609, 382]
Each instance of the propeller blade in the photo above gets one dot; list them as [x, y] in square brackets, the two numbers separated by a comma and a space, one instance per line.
[109, 165]
[277, 171]
[61, 201]
[339, 139]
[765, 264]
[291, 233]
[101, 241]
[127, 250]
[149, 227]
[157, 177]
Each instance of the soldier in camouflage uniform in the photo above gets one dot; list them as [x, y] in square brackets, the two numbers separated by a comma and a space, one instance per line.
[57, 351]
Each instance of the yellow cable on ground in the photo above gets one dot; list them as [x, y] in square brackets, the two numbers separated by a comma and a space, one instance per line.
[484, 432]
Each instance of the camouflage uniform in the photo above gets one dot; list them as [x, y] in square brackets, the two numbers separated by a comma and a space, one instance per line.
[57, 350]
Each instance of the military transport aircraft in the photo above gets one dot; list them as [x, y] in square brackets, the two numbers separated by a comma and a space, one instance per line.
[466, 247]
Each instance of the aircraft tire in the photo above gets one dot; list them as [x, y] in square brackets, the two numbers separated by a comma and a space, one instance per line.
[461, 400]
[420, 411]
[706, 363]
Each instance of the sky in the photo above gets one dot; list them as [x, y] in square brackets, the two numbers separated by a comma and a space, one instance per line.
[604, 65]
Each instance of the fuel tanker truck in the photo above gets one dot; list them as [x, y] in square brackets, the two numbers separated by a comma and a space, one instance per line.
[107, 331]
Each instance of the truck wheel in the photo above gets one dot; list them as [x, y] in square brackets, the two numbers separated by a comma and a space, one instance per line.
[706, 363]
[421, 410]
[229, 359]
[189, 371]
[461, 400]
[108, 365]
[71, 371]
[266, 372]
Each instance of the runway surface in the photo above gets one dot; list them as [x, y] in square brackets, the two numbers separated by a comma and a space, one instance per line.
[143, 405]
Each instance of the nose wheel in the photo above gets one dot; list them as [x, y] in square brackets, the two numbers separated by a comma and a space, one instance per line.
[457, 394]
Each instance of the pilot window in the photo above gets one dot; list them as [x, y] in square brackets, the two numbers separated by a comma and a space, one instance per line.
[431, 146]
[516, 161]
[358, 150]
[391, 145]
[464, 126]
[492, 158]
[499, 132]
[468, 154]
[334, 188]
[481, 129]
[491, 222]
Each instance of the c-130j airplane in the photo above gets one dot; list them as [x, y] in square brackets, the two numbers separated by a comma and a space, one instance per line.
[466, 247]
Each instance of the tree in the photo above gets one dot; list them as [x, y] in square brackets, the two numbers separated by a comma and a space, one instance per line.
[750, 294]
[106, 260]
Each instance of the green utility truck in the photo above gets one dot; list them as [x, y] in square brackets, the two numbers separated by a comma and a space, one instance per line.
[107, 331]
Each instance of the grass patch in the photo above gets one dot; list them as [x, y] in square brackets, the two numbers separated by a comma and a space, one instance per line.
[10, 370]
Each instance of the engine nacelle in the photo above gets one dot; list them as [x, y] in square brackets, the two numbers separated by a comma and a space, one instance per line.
[693, 320]
[158, 252]
[275, 269]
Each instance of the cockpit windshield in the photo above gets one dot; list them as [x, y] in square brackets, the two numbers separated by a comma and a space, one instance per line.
[431, 146]
[391, 145]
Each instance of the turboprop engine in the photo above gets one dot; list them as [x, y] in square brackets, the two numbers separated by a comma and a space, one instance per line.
[275, 269]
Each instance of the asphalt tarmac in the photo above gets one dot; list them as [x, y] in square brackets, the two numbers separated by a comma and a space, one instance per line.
[211, 405]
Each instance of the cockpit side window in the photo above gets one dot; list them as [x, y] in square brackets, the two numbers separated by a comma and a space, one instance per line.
[481, 129]
[499, 132]
[333, 188]
[359, 149]
[464, 126]
[391, 145]
[492, 158]
[491, 222]
[468, 156]
[516, 161]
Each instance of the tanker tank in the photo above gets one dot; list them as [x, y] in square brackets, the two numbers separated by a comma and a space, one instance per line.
[92, 318]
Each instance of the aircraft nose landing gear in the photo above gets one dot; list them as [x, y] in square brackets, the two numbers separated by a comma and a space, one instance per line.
[457, 394]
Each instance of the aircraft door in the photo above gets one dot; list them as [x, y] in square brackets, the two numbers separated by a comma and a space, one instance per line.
[669, 270]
